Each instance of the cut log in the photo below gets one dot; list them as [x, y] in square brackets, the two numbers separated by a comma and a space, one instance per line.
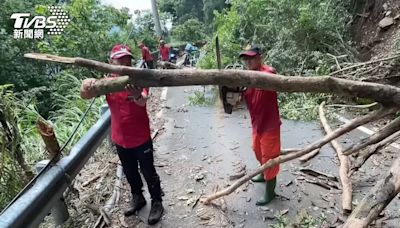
[344, 165]
[377, 199]
[287, 157]
[385, 94]
[364, 156]
[49, 138]
[385, 132]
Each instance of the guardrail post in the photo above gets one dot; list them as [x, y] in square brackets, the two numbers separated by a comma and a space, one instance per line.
[59, 212]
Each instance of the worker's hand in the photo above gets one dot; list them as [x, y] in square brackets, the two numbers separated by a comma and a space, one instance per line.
[87, 90]
[134, 92]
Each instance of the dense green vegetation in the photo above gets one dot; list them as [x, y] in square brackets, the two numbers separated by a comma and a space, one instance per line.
[298, 37]
[30, 89]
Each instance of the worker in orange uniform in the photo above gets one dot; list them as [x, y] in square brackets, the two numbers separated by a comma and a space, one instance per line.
[164, 51]
[265, 120]
[146, 56]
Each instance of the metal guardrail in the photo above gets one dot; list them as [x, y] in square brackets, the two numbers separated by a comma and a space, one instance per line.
[30, 209]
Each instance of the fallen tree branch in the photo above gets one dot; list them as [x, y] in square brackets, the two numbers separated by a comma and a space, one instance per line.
[353, 106]
[168, 65]
[361, 159]
[377, 199]
[288, 151]
[385, 94]
[364, 63]
[287, 157]
[106, 217]
[323, 183]
[344, 165]
[318, 174]
[309, 156]
[112, 201]
[383, 133]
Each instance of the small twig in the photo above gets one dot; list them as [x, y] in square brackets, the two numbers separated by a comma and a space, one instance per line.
[336, 60]
[91, 180]
[99, 222]
[105, 216]
[155, 133]
[353, 106]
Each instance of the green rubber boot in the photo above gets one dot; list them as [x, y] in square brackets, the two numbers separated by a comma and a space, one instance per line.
[259, 178]
[269, 194]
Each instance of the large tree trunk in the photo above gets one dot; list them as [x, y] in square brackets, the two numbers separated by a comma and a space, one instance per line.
[377, 199]
[344, 165]
[385, 94]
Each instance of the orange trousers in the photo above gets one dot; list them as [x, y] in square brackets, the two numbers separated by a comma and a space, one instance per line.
[267, 146]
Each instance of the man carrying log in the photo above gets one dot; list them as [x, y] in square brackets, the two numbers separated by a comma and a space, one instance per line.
[130, 131]
[265, 120]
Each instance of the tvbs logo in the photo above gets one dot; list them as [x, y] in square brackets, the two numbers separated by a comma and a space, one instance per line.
[34, 28]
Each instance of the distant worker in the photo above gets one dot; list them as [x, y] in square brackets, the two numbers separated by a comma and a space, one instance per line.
[146, 56]
[164, 51]
[265, 120]
[189, 49]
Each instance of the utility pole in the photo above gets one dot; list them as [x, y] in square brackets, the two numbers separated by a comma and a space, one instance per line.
[156, 18]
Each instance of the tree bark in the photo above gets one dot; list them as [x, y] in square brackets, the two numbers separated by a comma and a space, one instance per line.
[362, 158]
[49, 138]
[385, 132]
[377, 199]
[168, 65]
[287, 157]
[344, 165]
[385, 94]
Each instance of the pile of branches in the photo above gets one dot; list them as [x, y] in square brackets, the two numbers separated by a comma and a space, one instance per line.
[382, 70]
[387, 97]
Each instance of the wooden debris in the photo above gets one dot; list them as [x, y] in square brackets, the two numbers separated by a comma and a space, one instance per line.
[362, 158]
[377, 199]
[385, 94]
[49, 138]
[383, 133]
[309, 156]
[319, 174]
[317, 144]
[86, 183]
[344, 165]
